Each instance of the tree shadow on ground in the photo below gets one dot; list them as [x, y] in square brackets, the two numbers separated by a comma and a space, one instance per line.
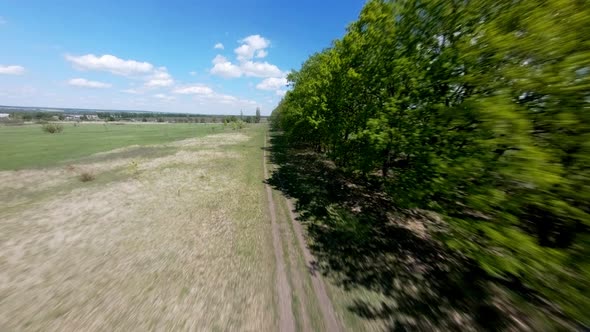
[360, 240]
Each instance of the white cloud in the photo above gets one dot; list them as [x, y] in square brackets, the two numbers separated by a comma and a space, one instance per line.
[224, 68]
[204, 95]
[250, 45]
[164, 97]
[226, 99]
[276, 84]
[132, 91]
[111, 64]
[154, 77]
[261, 54]
[218, 46]
[82, 82]
[197, 89]
[260, 69]
[219, 59]
[12, 70]
[223, 99]
[160, 78]
[153, 87]
[272, 83]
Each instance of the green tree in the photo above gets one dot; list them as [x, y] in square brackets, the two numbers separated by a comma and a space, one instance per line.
[478, 110]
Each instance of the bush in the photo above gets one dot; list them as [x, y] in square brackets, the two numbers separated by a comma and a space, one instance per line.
[52, 128]
[87, 177]
[238, 125]
[134, 167]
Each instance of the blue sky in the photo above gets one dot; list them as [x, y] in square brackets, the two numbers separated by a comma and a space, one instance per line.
[214, 57]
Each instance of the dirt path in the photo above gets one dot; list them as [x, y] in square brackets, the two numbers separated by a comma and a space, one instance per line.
[330, 319]
[286, 319]
[297, 279]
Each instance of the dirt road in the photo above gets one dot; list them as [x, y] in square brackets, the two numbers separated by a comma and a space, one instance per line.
[280, 229]
[286, 319]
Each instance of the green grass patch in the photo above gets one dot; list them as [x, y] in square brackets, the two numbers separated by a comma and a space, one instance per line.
[30, 147]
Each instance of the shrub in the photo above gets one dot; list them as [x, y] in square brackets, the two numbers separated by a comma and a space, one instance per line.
[87, 176]
[52, 128]
[134, 167]
[238, 125]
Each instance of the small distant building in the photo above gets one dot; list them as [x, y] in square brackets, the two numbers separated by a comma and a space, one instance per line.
[72, 117]
[92, 117]
[4, 115]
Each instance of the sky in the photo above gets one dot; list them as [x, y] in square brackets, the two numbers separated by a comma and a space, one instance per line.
[207, 57]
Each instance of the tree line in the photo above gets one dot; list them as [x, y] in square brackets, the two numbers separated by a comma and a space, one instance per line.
[477, 109]
[44, 116]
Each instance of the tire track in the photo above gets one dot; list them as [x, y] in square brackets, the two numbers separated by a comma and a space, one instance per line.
[295, 272]
[286, 319]
[330, 319]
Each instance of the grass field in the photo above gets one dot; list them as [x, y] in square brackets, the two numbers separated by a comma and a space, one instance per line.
[28, 146]
[170, 236]
[152, 227]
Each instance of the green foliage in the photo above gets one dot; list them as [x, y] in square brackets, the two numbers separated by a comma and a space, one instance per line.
[257, 118]
[476, 109]
[238, 125]
[52, 128]
[133, 167]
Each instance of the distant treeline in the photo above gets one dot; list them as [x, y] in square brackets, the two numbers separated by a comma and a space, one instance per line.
[44, 116]
[479, 110]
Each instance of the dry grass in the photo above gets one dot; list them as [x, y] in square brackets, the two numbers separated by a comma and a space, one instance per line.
[184, 245]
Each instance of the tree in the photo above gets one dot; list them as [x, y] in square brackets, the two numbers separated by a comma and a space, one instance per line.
[257, 119]
[469, 108]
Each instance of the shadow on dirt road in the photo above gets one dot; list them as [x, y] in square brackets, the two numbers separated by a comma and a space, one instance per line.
[362, 241]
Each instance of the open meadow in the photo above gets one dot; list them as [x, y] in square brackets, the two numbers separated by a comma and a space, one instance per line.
[151, 226]
[169, 234]
[28, 146]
